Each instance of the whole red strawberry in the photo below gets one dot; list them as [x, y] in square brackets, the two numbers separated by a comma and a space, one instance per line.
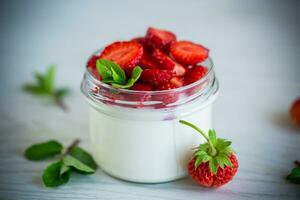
[295, 112]
[213, 163]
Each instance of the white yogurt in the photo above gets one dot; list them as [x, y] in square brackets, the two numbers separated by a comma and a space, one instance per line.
[145, 151]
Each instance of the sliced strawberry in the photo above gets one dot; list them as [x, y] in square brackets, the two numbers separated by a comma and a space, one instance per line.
[147, 62]
[92, 62]
[167, 86]
[141, 96]
[188, 52]
[195, 74]
[176, 81]
[96, 74]
[156, 77]
[141, 87]
[165, 62]
[142, 41]
[126, 54]
[165, 98]
[158, 38]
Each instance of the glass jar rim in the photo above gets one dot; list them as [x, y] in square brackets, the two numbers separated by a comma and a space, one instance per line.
[210, 68]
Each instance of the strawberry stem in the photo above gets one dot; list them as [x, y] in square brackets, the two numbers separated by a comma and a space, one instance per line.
[213, 150]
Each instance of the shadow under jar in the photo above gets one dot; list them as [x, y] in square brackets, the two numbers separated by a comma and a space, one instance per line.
[136, 136]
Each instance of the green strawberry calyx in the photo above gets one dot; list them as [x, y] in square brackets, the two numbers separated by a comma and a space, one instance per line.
[216, 151]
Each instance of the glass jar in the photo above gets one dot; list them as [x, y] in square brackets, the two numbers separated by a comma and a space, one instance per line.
[136, 136]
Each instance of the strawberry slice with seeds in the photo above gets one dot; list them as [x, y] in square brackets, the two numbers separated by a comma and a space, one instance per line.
[92, 62]
[188, 52]
[167, 98]
[177, 81]
[168, 86]
[126, 54]
[158, 38]
[156, 77]
[141, 87]
[195, 74]
[143, 42]
[96, 73]
[165, 62]
[147, 62]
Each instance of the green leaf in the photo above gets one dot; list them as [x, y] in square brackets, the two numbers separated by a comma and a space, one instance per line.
[49, 79]
[222, 143]
[60, 93]
[226, 161]
[83, 157]
[70, 161]
[43, 150]
[204, 147]
[110, 71]
[52, 176]
[103, 70]
[219, 161]
[41, 82]
[294, 175]
[136, 73]
[34, 89]
[212, 166]
[198, 162]
[117, 77]
[200, 153]
[45, 86]
[64, 169]
[113, 74]
[212, 136]
[206, 158]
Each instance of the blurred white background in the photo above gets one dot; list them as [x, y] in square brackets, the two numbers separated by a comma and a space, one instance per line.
[255, 46]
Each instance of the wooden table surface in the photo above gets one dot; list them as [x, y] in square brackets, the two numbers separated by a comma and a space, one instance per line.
[255, 46]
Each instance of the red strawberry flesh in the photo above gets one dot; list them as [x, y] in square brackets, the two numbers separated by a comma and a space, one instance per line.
[165, 62]
[188, 52]
[156, 77]
[141, 87]
[158, 38]
[195, 74]
[126, 54]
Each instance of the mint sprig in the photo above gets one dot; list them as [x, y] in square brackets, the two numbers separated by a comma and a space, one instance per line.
[44, 86]
[294, 175]
[43, 150]
[113, 74]
[74, 159]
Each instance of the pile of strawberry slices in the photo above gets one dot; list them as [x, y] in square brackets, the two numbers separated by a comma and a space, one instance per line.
[166, 62]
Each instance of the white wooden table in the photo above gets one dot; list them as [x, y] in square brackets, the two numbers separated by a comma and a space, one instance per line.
[255, 46]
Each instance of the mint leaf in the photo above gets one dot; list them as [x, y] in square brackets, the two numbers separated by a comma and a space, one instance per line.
[63, 169]
[62, 92]
[83, 157]
[135, 75]
[49, 79]
[117, 75]
[113, 74]
[103, 70]
[52, 176]
[43, 150]
[34, 89]
[294, 175]
[44, 86]
[70, 161]
[110, 71]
